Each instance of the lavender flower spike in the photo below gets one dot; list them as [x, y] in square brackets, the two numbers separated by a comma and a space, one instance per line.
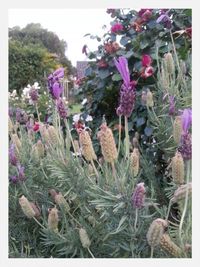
[61, 108]
[138, 196]
[127, 92]
[12, 157]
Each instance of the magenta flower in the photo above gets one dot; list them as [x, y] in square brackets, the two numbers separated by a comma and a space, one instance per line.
[117, 28]
[186, 118]
[146, 61]
[145, 14]
[127, 91]
[138, 196]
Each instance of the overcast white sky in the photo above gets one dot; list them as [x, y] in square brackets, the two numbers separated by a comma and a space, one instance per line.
[69, 24]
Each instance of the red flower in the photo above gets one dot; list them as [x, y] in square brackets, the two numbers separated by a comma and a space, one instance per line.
[146, 61]
[36, 127]
[117, 27]
[147, 72]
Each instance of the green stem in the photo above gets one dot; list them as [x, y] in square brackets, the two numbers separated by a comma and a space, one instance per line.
[188, 169]
[38, 223]
[127, 137]
[136, 219]
[95, 170]
[91, 253]
[70, 136]
[36, 107]
[152, 249]
[169, 207]
[120, 131]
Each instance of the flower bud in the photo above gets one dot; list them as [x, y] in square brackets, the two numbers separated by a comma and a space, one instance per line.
[107, 142]
[180, 192]
[156, 231]
[85, 241]
[10, 125]
[177, 129]
[61, 202]
[36, 209]
[16, 141]
[40, 149]
[86, 146]
[178, 168]
[138, 196]
[26, 207]
[53, 135]
[53, 219]
[44, 134]
[149, 99]
[135, 161]
[169, 246]
[169, 63]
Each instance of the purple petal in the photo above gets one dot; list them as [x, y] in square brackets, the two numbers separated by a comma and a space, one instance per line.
[159, 19]
[57, 90]
[186, 119]
[122, 66]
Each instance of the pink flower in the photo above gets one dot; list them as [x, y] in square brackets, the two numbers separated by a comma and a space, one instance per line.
[145, 14]
[117, 27]
[146, 61]
[147, 72]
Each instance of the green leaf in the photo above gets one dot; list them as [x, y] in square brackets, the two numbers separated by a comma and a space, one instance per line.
[104, 73]
[116, 77]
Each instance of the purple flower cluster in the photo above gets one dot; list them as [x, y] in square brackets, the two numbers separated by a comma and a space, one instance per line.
[54, 84]
[21, 116]
[127, 92]
[20, 177]
[34, 94]
[186, 139]
[61, 108]
[12, 156]
[165, 19]
[138, 196]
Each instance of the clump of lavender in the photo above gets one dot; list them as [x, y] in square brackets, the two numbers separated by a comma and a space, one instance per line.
[185, 147]
[55, 87]
[12, 156]
[62, 110]
[127, 92]
[138, 196]
[21, 116]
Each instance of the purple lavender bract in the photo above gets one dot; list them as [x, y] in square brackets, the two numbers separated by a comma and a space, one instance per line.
[186, 118]
[165, 20]
[138, 196]
[171, 106]
[61, 108]
[13, 179]
[21, 174]
[12, 157]
[127, 92]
